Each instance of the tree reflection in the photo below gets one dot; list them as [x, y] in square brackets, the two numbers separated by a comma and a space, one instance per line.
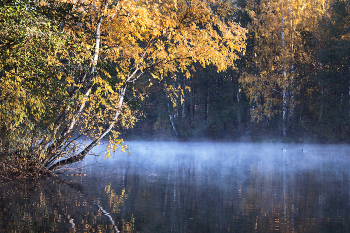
[56, 205]
[232, 192]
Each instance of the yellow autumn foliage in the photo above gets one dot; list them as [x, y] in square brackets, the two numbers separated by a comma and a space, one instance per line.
[75, 74]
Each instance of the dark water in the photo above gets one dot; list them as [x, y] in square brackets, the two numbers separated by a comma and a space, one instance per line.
[189, 187]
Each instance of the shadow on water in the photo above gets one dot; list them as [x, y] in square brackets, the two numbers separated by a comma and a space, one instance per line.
[190, 187]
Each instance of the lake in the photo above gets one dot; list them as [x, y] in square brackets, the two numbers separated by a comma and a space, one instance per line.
[189, 187]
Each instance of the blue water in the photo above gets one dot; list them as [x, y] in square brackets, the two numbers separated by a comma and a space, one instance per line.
[189, 187]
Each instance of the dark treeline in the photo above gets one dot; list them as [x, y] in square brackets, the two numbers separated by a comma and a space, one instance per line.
[292, 84]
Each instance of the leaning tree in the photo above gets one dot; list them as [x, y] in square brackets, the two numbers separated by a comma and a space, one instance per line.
[71, 69]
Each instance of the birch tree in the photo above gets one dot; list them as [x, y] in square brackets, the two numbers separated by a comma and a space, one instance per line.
[117, 48]
[277, 33]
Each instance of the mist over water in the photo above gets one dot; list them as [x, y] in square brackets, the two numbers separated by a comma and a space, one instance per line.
[195, 187]
[239, 186]
[224, 158]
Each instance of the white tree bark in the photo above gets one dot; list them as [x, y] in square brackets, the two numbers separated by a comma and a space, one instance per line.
[284, 88]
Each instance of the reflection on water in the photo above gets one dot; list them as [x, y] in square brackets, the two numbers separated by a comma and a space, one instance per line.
[190, 187]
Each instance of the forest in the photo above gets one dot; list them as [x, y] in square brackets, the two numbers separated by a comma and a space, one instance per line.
[291, 85]
[75, 73]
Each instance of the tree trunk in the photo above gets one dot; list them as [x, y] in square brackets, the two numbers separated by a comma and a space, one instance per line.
[65, 134]
[171, 117]
[82, 154]
[284, 88]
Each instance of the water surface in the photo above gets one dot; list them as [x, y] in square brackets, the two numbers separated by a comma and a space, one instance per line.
[189, 187]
